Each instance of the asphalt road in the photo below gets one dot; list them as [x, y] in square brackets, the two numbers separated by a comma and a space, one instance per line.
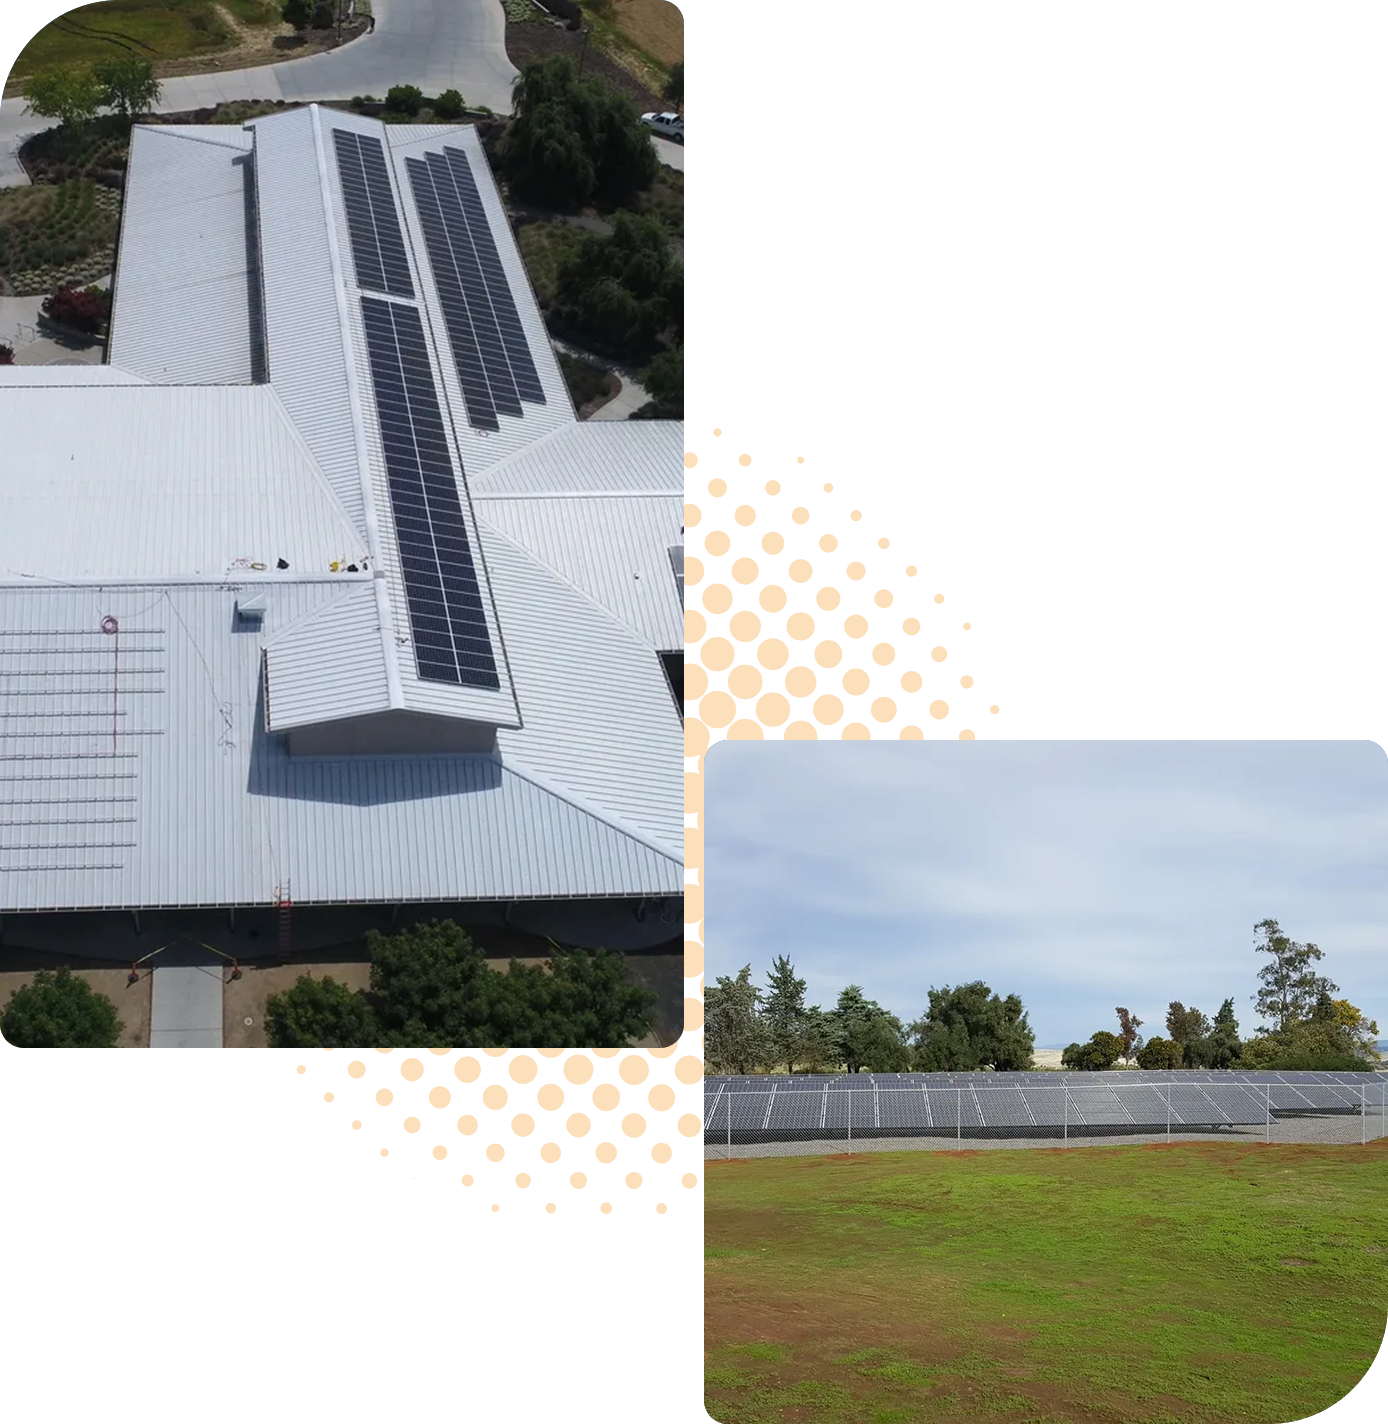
[435, 44]
[1018, 158]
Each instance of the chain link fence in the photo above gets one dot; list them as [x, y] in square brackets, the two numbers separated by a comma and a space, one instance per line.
[784, 1121]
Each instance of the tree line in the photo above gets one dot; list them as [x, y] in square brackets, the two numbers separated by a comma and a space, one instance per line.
[749, 1029]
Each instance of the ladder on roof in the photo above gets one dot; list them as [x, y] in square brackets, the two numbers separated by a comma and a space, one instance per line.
[284, 907]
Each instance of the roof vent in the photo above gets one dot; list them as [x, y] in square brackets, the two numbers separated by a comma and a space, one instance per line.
[251, 610]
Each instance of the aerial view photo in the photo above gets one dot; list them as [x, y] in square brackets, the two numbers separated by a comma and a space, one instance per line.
[1044, 1081]
[341, 525]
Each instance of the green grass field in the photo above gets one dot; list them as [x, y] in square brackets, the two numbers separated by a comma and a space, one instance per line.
[152, 29]
[1111, 1285]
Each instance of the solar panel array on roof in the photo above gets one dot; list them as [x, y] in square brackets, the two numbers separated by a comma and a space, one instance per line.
[378, 245]
[490, 351]
[441, 586]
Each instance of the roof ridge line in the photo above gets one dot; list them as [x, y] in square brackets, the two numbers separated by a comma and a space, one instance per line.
[563, 578]
[582, 494]
[589, 808]
[172, 131]
[373, 532]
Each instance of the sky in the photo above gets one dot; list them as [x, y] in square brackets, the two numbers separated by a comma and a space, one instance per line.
[1080, 875]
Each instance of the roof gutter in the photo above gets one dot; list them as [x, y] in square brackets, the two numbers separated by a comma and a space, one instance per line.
[373, 531]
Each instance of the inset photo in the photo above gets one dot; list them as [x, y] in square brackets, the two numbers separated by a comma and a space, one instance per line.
[1037, 1071]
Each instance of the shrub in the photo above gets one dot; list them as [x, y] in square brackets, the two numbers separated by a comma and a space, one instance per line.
[565, 10]
[673, 92]
[85, 310]
[404, 99]
[6, 355]
[1158, 1053]
[449, 105]
[59, 1011]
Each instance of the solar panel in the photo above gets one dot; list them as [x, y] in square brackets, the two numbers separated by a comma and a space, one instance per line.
[441, 586]
[490, 349]
[378, 245]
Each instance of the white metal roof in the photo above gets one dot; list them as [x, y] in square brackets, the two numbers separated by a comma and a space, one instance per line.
[141, 766]
[184, 277]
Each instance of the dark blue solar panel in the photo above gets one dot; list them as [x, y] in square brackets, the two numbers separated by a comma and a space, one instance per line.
[378, 246]
[441, 586]
[490, 351]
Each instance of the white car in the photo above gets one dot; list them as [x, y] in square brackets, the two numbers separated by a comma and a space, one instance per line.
[669, 126]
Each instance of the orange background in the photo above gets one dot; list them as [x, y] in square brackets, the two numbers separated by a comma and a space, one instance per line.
[870, 584]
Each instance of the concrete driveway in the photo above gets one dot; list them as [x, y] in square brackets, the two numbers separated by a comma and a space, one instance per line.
[435, 44]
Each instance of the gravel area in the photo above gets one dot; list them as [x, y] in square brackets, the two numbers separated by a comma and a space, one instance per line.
[1331, 1130]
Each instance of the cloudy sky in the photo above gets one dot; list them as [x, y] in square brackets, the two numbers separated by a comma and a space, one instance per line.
[1078, 875]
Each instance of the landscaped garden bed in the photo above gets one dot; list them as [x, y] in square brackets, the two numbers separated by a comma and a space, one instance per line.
[57, 234]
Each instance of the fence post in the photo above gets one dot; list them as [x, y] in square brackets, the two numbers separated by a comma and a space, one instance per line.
[729, 1157]
[1168, 1112]
[959, 1114]
[1363, 1113]
[1267, 1112]
[1066, 1091]
[850, 1114]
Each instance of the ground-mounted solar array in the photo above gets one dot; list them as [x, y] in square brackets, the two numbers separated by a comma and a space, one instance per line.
[451, 640]
[378, 245]
[808, 1108]
[491, 353]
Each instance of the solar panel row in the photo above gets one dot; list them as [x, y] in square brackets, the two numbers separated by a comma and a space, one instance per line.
[496, 370]
[441, 585]
[378, 245]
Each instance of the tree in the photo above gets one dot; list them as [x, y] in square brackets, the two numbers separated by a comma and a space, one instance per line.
[1097, 1056]
[1128, 1025]
[72, 94]
[308, 14]
[573, 141]
[869, 1038]
[664, 382]
[58, 1010]
[1159, 1052]
[128, 85]
[1290, 985]
[1220, 1047]
[736, 1039]
[783, 1009]
[404, 99]
[594, 1002]
[673, 93]
[87, 309]
[421, 982]
[971, 1027]
[1185, 1024]
[319, 1013]
[449, 105]
[623, 293]
[6, 355]
[1362, 1032]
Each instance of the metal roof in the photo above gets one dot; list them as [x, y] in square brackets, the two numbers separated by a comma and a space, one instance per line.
[141, 755]
[183, 246]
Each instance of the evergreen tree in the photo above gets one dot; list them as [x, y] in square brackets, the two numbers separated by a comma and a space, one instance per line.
[736, 1037]
[1290, 985]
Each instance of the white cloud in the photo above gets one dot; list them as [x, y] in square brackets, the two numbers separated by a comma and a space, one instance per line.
[1080, 875]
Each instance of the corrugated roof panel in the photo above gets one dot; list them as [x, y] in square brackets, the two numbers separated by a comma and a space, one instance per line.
[304, 341]
[187, 246]
[636, 456]
[615, 548]
[597, 712]
[164, 723]
[183, 481]
[80, 376]
[328, 664]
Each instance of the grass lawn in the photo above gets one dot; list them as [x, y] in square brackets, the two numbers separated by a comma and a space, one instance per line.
[1113, 1285]
[545, 247]
[153, 29]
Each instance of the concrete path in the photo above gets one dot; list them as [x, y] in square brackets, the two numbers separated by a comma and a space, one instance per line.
[632, 395]
[20, 330]
[670, 154]
[185, 1196]
[435, 44]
